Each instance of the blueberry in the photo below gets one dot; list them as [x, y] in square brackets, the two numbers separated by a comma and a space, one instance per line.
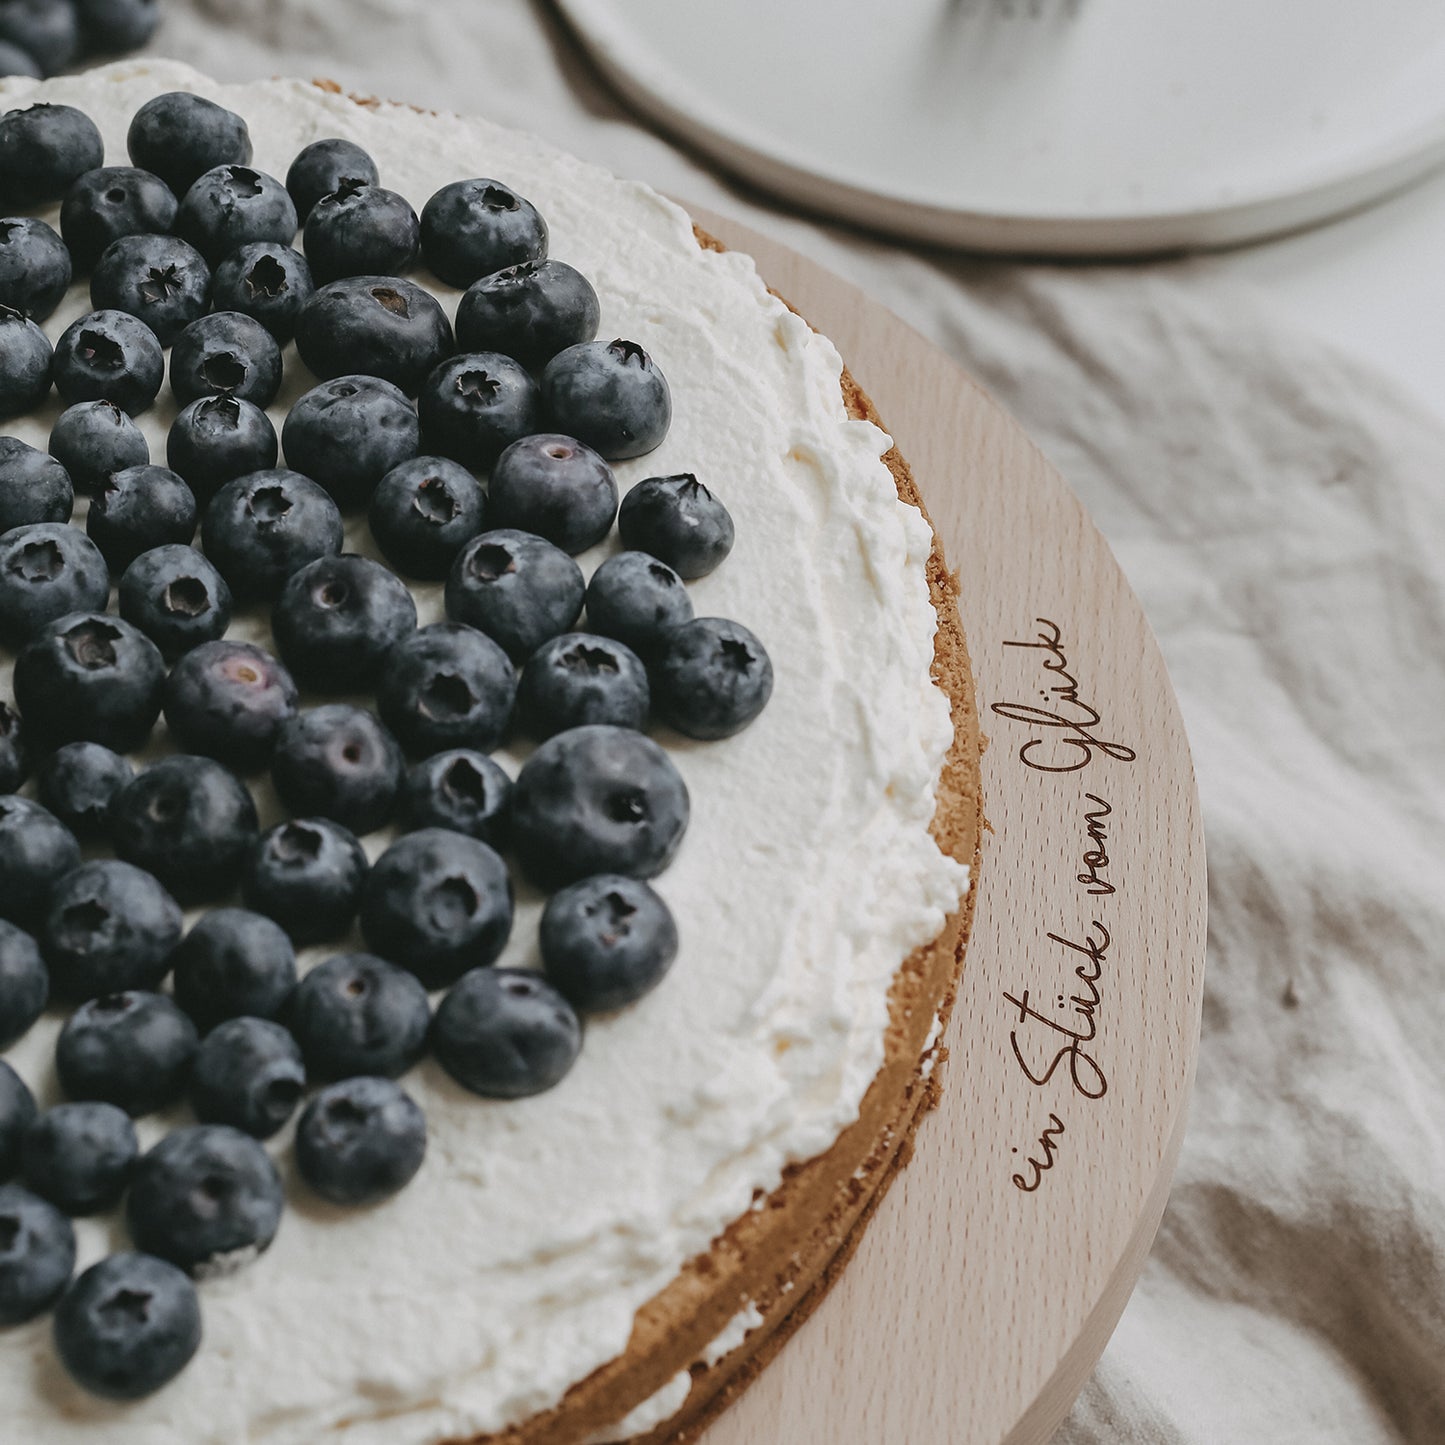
[472, 407]
[356, 1014]
[581, 678]
[110, 202]
[461, 790]
[380, 325]
[47, 30]
[207, 1198]
[338, 762]
[597, 799]
[115, 26]
[517, 588]
[133, 1050]
[189, 821]
[25, 363]
[231, 206]
[267, 281]
[348, 433]
[217, 439]
[606, 941]
[78, 783]
[361, 230]
[17, 1112]
[229, 701]
[46, 571]
[162, 280]
[95, 438]
[610, 395]
[679, 521]
[44, 148]
[15, 61]
[505, 1033]
[337, 618]
[248, 1074]
[176, 598]
[37, 850]
[127, 1326]
[24, 984]
[424, 512]
[712, 678]
[474, 228]
[636, 599]
[33, 487]
[179, 136]
[262, 527]
[109, 356]
[325, 166]
[109, 927]
[37, 1254]
[14, 754]
[80, 1156]
[530, 312]
[556, 487]
[34, 267]
[226, 354]
[92, 678]
[360, 1141]
[233, 963]
[138, 509]
[307, 875]
[447, 686]
[437, 903]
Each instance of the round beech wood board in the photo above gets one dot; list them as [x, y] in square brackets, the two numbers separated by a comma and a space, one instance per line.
[995, 1269]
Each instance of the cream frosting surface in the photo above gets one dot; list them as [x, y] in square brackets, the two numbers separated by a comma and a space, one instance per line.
[513, 1265]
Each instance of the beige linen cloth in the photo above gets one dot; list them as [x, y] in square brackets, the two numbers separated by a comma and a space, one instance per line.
[1281, 513]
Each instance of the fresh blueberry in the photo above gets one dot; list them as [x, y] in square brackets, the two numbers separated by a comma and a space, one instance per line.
[133, 1050]
[217, 439]
[597, 799]
[530, 312]
[43, 148]
[517, 588]
[233, 963]
[80, 1156]
[15, 61]
[437, 903]
[711, 678]
[14, 753]
[139, 509]
[338, 762]
[610, 395]
[90, 678]
[382, 326]
[46, 571]
[636, 599]
[25, 363]
[109, 356]
[207, 1198]
[472, 407]
[461, 790]
[505, 1033]
[109, 927]
[361, 230]
[47, 30]
[679, 521]
[34, 267]
[473, 228]
[37, 850]
[356, 1014]
[556, 487]
[248, 1074]
[337, 618]
[262, 527]
[325, 166]
[176, 598]
[348, 433]
[17, 1112]
[226, 354]
[110, 202]
[606, 941]
[447, 686]
[360, 1141]
[267, 281]
[231, 206]
[228, 701]
[162, 280]
[189, 821]
[128, 1325]
[37, 1254]
[179, 136]
[78, 783]
[115, 26]
[24, 984]
[307, 875]
[582, 678]
[95, 438]
[33, 487]
[424, 512]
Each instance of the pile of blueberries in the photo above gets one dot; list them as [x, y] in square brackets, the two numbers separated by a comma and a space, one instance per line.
[44, 37]
[522, 394]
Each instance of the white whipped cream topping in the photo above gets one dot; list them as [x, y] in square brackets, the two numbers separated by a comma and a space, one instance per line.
[513, 1265]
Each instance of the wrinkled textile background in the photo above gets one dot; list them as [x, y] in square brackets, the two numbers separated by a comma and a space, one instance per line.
[1281, 512]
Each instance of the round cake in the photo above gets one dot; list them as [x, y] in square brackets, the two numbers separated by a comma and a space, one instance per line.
[612, 1258]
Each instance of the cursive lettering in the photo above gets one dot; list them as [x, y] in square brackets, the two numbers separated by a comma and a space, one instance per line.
[1096, 856]
[1039, 1167]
